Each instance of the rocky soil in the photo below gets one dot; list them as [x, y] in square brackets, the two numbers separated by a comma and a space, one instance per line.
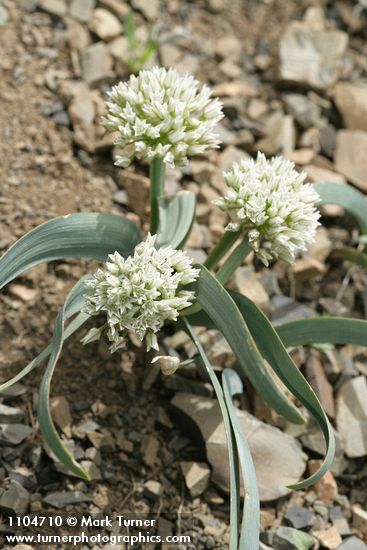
[293, 80]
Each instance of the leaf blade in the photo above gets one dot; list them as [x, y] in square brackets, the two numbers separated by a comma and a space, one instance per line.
[346, 196]
[176, 216]
[81, 235]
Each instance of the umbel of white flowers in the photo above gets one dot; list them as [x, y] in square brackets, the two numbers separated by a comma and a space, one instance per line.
[160, 114]
[140, 293]
[269, 200]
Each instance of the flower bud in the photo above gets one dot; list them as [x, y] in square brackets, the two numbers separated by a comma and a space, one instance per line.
[167, 363]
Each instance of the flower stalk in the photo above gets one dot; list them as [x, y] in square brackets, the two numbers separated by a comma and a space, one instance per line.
[226, 241]
[156, 191]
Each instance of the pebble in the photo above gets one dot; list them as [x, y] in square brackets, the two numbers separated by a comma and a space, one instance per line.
[329, 538]
[351, 100]
[60, 412]
[352, 543]
[10, 415]
[82, 9]
[351, 156]
[60, 499]
[247, 283]
[197, 475]
[299, 517]
[96, 63]
[286, 538]
[359, 520]
[153, 489]
[53, 7]
[15, 499]
[13, 434]
[150, 9]
[326, 488]
[351, 416]
[105, 25]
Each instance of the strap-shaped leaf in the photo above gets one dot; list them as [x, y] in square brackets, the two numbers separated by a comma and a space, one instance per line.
[224, 313]
[273, 350]
[323, 330]
[232, 448]
[250, 528]
[355, 256]
[346, 196]
[74, 300]
[176, 216]
[84, 235]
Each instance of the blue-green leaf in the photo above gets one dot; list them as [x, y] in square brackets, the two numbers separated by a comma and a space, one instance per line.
[84, 235]
[346, 196]
[176, 216]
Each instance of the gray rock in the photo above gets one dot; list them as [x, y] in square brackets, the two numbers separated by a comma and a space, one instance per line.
[10, 415]
[352, 543]
[82, 9]
[351, 416]
[305, 112]
[13, 434]
[197, 475]
[15, 499]
[299, 517]
[60, 499]
[286, 309]
[312, 56]
[278, 458]
[96, 63]
[286, 538]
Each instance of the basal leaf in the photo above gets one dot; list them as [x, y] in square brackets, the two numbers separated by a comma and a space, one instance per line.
[223, 312]
[84, 235]
[176, 216]
[346, 196]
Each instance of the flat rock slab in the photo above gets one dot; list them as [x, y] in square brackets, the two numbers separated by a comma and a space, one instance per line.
[312, 56]
[60, 499]
[351, 100]
[278, 457]
[351, 416]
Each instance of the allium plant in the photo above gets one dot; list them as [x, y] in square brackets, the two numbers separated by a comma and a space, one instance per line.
[149, 282]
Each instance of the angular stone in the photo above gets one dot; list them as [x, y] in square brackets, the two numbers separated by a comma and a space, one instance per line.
[13, 434]
[119, 47]
[137, 187]
[153, 489]
[247, 283]
[15, 499]
[287, 462]
[352, 543]
[360, 519]
[149, 450]
[322, 246]
[316, 376]
[351, 416]
[197, 475]
[23, 292]
[9, 415]
[312, 56]
[60, 499]
[105, 25]
[351, 156]
[306, 112]
[82, 9]
[96, 63]
[149, 9]
[329, 538]
[286, 538]
[307, 268]
[299, 517]
[326, 487]
[53, 7]
[351, 101]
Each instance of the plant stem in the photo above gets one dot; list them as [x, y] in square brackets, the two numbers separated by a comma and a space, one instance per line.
[156, 192]
[225, 242]
[235, 260]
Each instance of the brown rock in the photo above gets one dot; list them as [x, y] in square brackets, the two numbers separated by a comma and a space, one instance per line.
[322, 246]
[351, 416]
[22, 292]
[197, 475]
[351, 156]
[137, 188]
[278, 458]
[82, 9]
[301, 156]
[247, 283]
[105, 25]
[149, 9]
[229, 46]
[307, 268]
[96, 63]
[60, 412]
[234, 89]
[326, 488]
[329, 538]
[53, 7]
[351, 101]
[149, 450]
[315, 374]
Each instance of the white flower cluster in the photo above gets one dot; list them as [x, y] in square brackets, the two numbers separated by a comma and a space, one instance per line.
[140, 293]
[162, 114]
[271, 202]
